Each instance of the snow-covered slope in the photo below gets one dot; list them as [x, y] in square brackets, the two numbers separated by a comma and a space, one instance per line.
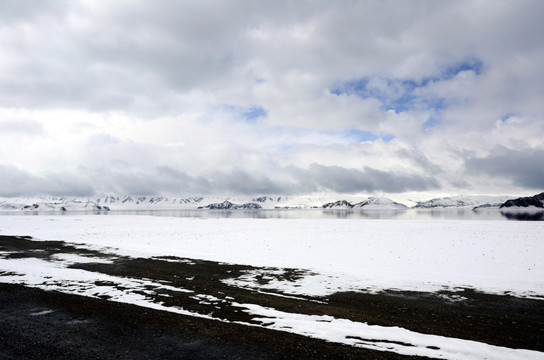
[372, 203]
[463, 201]
[52, 204]
[149, 202]
[379, 203]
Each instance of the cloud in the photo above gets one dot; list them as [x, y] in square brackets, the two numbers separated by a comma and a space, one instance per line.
[16, 182]
[270, 96]
[405, 94]
[166, 180]
[523, 168]
[342, 180]
[21, 126]
[12, 11]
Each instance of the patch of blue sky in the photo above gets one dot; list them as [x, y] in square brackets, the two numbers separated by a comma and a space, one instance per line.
[246, 114]
[365, 136]
[359, 135]
[254, 113]
[287, 148]
[402, 104]
[387, 137]
[296, 137]
[471, 64]
[436, 104]
[507, 116]
[400, 94]
[431, 123]
[397, 95]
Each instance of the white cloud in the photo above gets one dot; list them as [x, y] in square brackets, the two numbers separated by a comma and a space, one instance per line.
[125, 96]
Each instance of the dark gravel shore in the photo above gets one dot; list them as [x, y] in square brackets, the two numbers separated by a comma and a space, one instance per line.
[39, 324]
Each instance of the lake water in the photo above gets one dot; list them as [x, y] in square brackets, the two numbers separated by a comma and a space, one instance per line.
[417, 214]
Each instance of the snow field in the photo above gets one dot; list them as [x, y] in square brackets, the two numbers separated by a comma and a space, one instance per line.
[423, 255]
[338, 255]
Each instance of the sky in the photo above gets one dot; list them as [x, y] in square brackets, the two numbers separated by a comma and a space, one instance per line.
[395, 98]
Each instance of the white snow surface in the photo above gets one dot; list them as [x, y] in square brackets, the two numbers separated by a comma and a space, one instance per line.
[423, 255]
[492, 256]
[379, 203]
[384, 338]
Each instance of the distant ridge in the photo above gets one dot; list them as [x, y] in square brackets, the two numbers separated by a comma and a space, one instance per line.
[227, 205]
[463, 201]
[136, 202]
[370, 203]
[524, 202]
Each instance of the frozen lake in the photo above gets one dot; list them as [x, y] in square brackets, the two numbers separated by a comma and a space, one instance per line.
[359, 253]
[408, 214]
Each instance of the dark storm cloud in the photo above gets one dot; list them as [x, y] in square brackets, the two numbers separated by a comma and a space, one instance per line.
[524, 168]
[295, 181]
[165, 179]
[342, 180]
[292, 181]
[15, 182]
[289, 181]
[242, 182]
[161, 180]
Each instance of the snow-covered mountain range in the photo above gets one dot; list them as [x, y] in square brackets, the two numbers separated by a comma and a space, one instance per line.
[463, 202]
[370, 203]
[113, 202]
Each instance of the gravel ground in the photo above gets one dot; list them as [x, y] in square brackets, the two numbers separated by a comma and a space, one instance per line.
[51, 325]
[37, 324]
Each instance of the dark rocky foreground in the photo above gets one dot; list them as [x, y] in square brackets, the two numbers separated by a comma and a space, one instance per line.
[51, 325]
[86, 328]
